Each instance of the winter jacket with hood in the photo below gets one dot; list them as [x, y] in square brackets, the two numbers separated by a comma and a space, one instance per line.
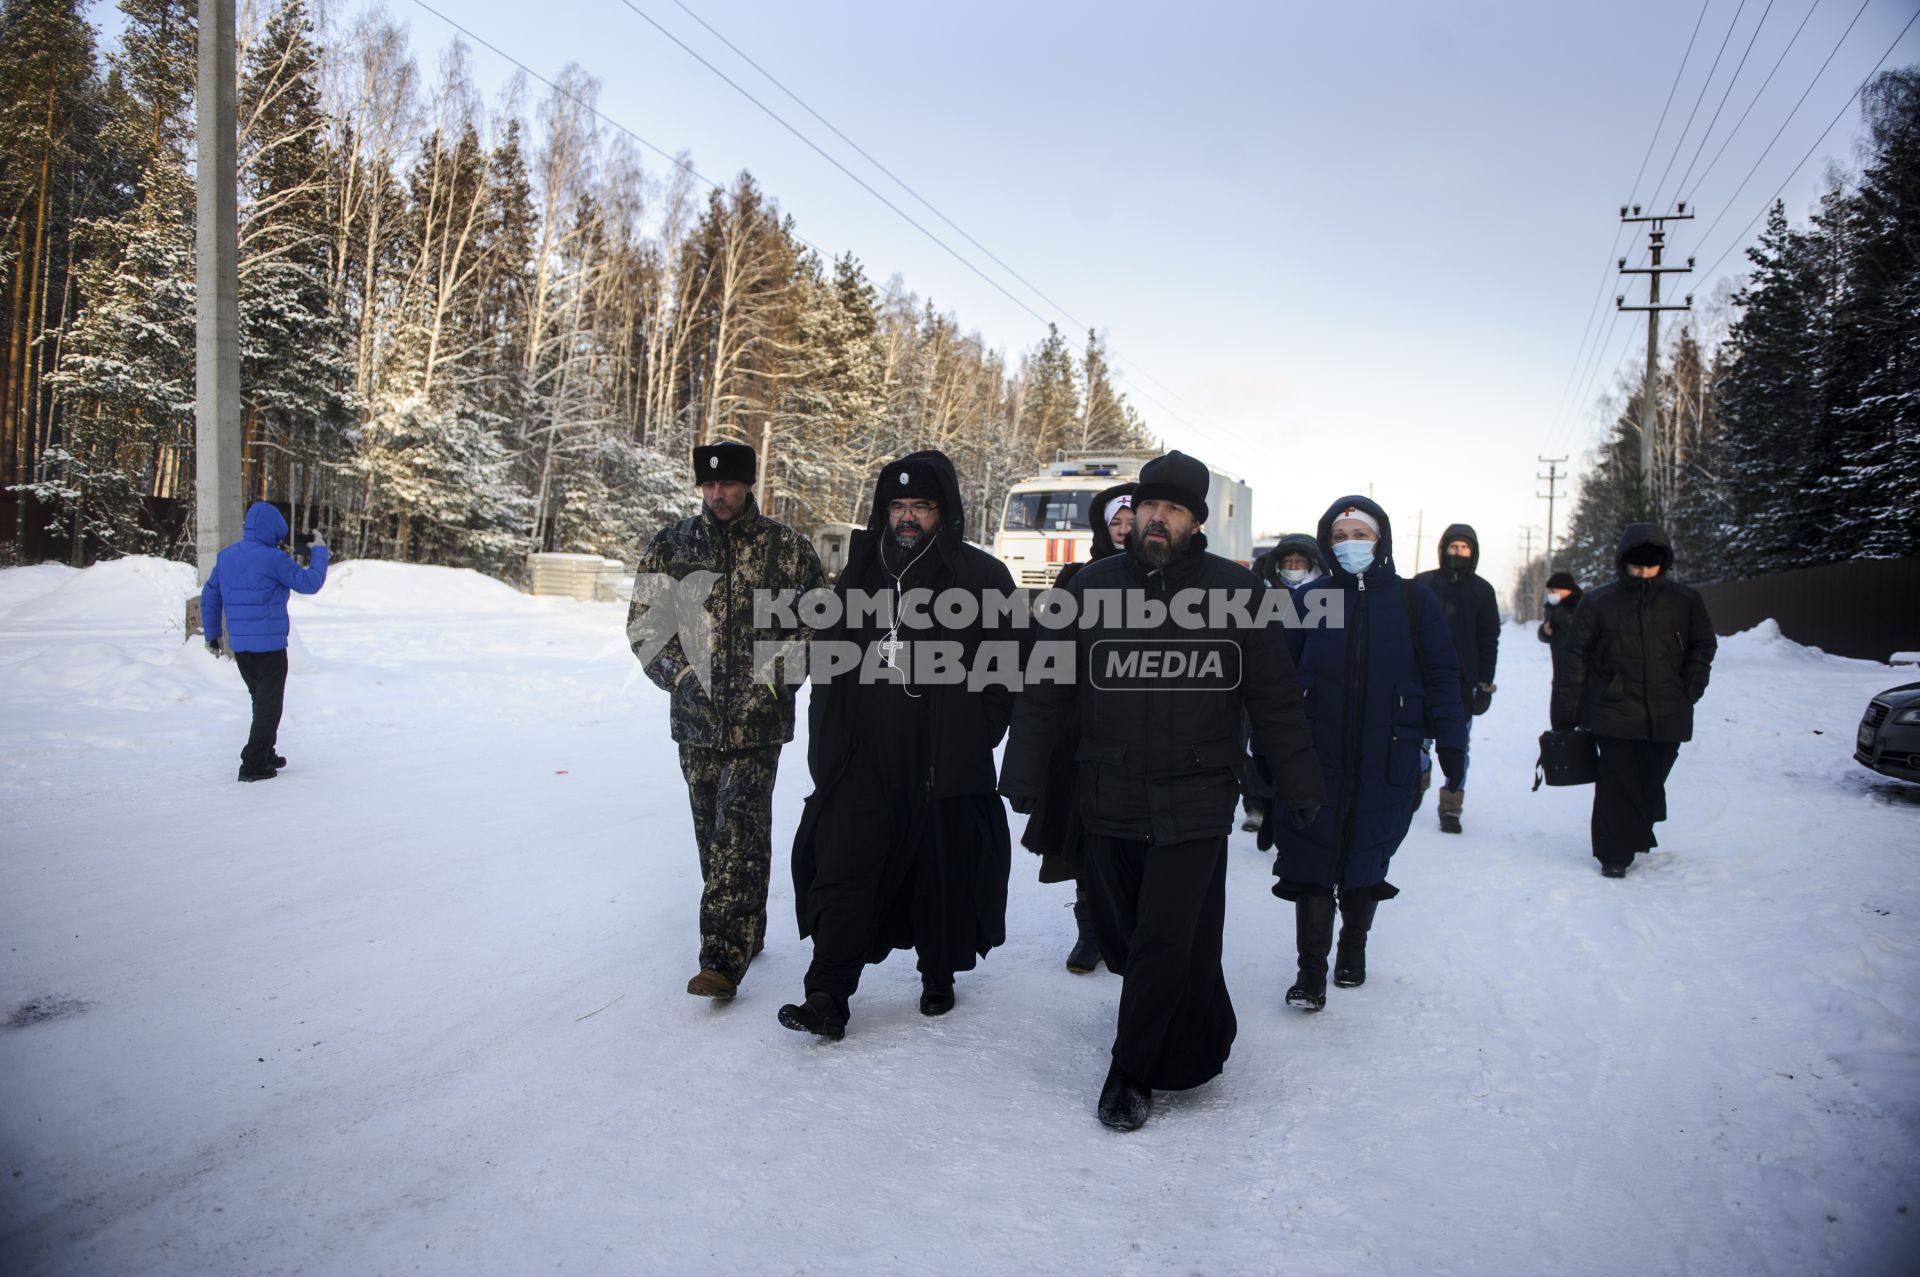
[1470, 606]
[250, 581]
[750, 552]
[1640, 652]
[1556, 626]
[1054, 830]
[1165, 760]
[1371, 699]
[1267, 566]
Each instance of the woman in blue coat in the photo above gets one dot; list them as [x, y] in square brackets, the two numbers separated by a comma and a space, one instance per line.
[1378, 678]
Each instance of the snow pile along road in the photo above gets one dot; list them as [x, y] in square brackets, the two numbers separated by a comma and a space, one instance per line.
[418, 1002]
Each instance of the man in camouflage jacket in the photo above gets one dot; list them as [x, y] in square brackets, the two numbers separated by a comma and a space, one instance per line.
[696, 586]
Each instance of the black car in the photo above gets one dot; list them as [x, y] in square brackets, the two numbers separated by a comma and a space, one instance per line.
[1889, 740]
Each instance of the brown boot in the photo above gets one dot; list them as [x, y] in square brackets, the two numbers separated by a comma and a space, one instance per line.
[713, 984]
[1451, 801]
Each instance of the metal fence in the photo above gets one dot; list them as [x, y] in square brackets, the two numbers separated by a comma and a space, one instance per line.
[1869, 608]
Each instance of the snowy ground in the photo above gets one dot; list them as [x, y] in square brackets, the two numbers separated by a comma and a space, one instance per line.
[417, 1005]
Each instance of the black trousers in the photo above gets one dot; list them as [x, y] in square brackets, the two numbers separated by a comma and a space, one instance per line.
[866, 862]
[1629, 796]
[265, 674]
[1158, 910]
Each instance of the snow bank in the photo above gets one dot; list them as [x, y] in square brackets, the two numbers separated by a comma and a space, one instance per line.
[370, 585]
[137, 592]
[22, 585]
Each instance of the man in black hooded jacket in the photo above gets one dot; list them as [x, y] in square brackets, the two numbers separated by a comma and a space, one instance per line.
[1473, 616]
[903, 843]
[1636, 663]
[1160, 763]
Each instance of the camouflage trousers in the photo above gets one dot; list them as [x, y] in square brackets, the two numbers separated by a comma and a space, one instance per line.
[731, 791]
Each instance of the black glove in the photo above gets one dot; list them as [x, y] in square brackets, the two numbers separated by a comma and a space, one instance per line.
[1303, 816]
[213, 646]
[1022, 804]
[1453, 765]
[1263, 836]
[1480, 699]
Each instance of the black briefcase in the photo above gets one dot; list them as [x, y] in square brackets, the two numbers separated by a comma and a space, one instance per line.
[1566, 758]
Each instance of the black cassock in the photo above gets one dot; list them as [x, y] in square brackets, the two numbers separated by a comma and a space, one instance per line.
[903, 843]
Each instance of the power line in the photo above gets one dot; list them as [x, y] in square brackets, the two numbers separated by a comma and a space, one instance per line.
[1758, 93]
[1678, 71]
[1783, 124]
[686, 167]
[1698, 99]
[1681, 185]
[1838, 116]
[1066, 314]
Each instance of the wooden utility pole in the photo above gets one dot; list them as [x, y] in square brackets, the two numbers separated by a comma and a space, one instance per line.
[217, 495]
[1553, 476]
[1656, 242]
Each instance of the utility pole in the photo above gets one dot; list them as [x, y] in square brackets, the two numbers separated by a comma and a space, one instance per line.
[1656, 242]
[217, 488]
[1419, 535]
[1528, 595]
[1553, 476]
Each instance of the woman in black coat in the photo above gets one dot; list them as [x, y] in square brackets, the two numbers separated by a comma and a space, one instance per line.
[1556, 623]
[1634, 666]
[1054, 830]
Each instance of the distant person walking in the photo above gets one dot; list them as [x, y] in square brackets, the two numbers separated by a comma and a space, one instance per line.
[246, 595]
[1635, 664]
[1472, 611]
[728, 721]
[1556, 623]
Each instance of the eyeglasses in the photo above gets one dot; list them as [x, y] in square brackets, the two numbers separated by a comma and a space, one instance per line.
[921, 508]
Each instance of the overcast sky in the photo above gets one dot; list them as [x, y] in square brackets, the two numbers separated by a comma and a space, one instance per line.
[1337, 247]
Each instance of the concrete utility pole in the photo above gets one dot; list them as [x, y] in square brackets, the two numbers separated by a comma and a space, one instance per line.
[1656, 241]
[1553, 478]
[217, 461]
[1527, 600]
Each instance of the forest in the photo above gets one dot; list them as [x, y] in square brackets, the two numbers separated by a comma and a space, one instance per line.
[468, 332]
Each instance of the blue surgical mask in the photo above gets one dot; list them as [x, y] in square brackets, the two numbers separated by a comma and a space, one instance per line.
[1355, 556]
[1294, 576]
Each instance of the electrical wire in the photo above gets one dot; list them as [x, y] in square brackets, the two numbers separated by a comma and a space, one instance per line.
[1838, 116]
[1783, 124]
[868, 187]
[1681, 185]
[1758, 93]
[1698, 99]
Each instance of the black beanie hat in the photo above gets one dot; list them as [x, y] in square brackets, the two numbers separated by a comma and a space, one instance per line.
[909, 481]
[724, 463]
[1178, 478]
[1562, 581]
[1648, 554]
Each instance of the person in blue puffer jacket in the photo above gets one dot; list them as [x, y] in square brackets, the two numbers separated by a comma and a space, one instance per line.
[1375, 685]
[246, 594]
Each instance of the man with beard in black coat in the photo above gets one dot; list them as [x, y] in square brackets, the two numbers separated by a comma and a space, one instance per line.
[1636, 663]
[1473, 617]
[903, 843]
[1161, 759]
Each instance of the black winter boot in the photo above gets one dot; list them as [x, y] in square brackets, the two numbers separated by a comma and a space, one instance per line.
[1085, 954]
[821, 1014]
[1350, 959]
[1125, 1101]
[1313, 934]
[936, 995]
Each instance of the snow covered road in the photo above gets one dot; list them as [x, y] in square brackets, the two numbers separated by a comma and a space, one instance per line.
[417, 1005]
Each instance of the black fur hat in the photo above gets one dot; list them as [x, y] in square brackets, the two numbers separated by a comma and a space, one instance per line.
[724, 463]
